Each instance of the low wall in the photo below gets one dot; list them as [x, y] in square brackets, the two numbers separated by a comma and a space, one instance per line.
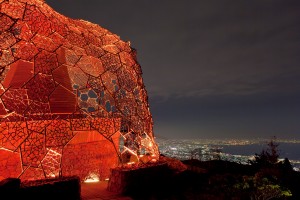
[140, 180]
[67, 188]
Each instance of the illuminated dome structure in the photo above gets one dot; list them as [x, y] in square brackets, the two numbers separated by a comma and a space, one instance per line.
[72, 98]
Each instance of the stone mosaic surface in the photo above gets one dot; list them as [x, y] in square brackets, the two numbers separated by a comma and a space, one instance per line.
[61, 77]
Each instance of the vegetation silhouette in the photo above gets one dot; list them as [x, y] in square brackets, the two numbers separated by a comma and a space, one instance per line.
[264, 178]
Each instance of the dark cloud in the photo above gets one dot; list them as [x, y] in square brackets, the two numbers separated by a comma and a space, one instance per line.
[229, 116]
[221, 68]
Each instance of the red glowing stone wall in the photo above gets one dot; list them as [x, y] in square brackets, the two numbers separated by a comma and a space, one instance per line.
[72, 98]
[88, 150]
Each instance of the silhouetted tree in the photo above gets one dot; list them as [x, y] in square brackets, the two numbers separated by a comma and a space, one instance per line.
[268, 156]
[287, 165]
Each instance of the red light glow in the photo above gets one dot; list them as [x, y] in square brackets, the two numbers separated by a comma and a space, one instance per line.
[69, 89]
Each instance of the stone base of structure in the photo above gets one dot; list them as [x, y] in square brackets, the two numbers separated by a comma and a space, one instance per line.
[139, 180]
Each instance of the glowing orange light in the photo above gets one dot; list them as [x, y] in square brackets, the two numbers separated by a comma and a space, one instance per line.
[92, 178]
[6, 149]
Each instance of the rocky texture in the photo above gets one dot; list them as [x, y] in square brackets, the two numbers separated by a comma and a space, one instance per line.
[82, 158]
[61, 77]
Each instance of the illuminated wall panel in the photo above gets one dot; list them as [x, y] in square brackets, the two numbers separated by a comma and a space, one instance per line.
[72, 99]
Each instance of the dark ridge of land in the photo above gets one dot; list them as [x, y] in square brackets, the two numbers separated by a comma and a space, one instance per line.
[222, 180]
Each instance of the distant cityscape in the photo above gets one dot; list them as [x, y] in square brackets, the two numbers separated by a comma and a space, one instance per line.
[234, 150]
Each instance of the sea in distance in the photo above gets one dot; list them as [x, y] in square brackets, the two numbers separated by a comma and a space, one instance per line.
[240, 151]
[286, 150]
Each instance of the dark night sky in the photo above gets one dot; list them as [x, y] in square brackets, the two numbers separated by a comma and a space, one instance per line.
[213, 69]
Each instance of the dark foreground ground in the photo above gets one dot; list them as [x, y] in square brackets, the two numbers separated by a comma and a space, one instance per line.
[219, 179]
[191, 179]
